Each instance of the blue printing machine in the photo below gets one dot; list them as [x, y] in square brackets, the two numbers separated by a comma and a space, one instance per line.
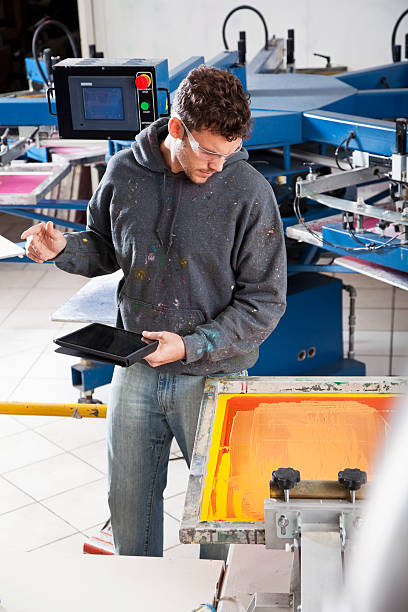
[308, 341]
[289, 109]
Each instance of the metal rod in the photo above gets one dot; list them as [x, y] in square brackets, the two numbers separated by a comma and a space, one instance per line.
[359, 208]
[30, 214]
[356, 176]
[352, 318]
[66, 142]
[54, 409]
[392, 331]
[317, 489]
[286, 492]
[51, 204]
[377, 197]
[320, 159]
[286, 158]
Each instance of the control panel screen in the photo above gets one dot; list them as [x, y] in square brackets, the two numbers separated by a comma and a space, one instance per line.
[103, 103]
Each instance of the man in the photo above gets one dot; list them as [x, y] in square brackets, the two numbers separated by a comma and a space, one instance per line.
[198, 236]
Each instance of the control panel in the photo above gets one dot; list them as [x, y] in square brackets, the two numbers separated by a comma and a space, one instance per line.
[113, 99]
[145, 98]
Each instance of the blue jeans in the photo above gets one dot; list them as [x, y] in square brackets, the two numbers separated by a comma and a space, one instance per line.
[146, 409]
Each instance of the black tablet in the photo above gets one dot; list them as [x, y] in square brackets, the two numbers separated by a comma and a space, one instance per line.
[64, 350]
[107, 343]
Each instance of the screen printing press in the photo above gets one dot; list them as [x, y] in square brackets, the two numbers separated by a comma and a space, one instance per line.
[332, 143]
[299, 524]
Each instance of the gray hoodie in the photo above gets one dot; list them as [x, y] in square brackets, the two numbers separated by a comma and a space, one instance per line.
[206, 261]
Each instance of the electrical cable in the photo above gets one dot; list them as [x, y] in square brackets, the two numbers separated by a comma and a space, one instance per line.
[394, 32]
[236, 600]
[38, 30]
[238, 8]
[366, 248]
[345, 142]
[354, 236]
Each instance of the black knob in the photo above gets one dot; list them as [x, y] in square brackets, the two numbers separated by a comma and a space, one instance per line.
[352, 479]
[396, 53]
[242, 48]
[290, 47]
[285, 478]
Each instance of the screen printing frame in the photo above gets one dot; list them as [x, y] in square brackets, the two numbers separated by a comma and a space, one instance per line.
[56, 172]
[192, 528]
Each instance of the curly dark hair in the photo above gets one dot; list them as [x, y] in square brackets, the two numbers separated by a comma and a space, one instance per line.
[215, 100]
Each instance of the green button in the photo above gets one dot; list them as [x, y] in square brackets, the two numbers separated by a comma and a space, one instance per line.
[145, 106]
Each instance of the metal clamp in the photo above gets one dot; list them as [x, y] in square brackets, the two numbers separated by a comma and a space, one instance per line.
[306, 188]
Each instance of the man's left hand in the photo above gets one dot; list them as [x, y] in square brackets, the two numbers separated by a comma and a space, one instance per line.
[171, 348]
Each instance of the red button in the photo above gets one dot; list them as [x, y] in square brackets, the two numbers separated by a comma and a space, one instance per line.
[143, 81]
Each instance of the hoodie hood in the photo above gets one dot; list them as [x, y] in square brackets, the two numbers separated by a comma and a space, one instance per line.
[146, 148]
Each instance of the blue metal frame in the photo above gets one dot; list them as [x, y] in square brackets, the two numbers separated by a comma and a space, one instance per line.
[287, 108]
[88, 377]
[330, 268]
[32, 72]
[38, 154]
[393, 256]
[30, 214]
[373, 103]
[26, 111]
[51, 204]
[396, 75]
[372, 135]
[321, 331]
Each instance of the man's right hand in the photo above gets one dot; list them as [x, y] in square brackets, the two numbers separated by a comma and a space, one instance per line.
[43, 242]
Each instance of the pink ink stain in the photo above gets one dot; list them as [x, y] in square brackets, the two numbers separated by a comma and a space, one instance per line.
[150, 257]
[21, 183]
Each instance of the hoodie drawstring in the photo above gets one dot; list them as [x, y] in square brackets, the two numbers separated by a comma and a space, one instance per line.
[162, 223]
[173, 221]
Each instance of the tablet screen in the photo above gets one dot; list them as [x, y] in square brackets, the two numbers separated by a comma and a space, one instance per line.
[106, 340]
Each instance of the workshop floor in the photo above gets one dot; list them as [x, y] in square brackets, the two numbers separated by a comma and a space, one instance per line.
[52, 470]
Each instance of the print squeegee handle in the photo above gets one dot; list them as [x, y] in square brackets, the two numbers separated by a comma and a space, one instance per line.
[285, 478]
[352, 479]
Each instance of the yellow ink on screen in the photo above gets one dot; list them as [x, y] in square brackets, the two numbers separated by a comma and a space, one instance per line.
[319, 434]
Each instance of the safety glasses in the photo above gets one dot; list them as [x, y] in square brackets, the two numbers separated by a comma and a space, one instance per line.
[205, 153]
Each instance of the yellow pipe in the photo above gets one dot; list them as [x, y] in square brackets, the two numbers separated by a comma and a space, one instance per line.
[63, 410]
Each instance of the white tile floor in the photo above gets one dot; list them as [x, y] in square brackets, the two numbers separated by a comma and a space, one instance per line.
[52, 470]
